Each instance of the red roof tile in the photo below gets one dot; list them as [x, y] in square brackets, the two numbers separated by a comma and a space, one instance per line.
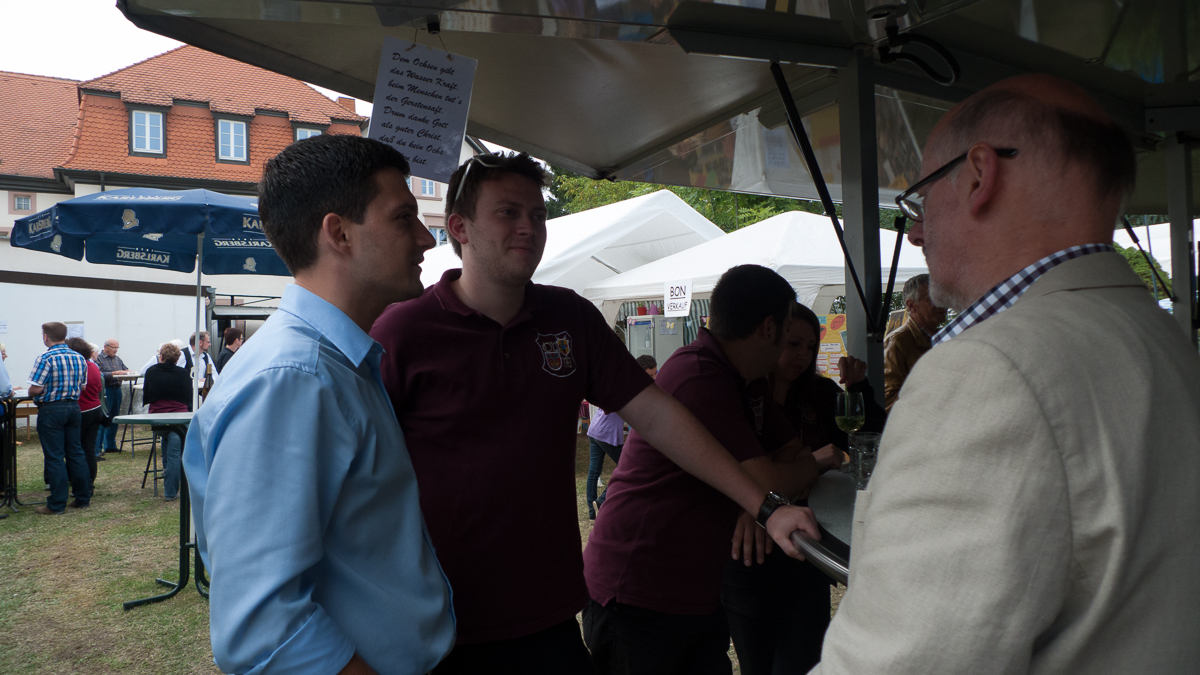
[37, 123]
[228, 86]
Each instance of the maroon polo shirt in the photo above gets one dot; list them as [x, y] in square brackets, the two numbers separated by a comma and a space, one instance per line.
[663, 536]
[489, 415]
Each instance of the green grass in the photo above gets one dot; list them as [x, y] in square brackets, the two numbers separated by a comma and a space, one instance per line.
[63, 578]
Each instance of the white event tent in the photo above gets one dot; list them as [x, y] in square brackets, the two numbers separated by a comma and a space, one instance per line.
[593, 245]
[800, 246]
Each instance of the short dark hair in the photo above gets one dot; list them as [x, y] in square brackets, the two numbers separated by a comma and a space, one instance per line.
[55, 330]
[744, 297]
[232, 334]
[647, 362]
[329, 173]
[80, 346]
[483, 168]
[1099, 147]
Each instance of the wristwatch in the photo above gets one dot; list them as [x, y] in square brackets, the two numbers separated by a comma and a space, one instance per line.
[770, 503]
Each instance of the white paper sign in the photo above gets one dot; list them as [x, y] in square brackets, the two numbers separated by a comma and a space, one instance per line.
[422, 97]
[74, 329]
[677, 298]
[4, 326]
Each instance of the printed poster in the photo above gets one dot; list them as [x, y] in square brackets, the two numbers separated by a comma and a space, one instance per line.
[833, 344]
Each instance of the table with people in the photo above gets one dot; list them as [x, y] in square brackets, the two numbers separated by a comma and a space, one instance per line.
[383, 478]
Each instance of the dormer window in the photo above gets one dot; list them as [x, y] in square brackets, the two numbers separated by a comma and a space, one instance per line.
[147, 132]
[231, 140]
[304, 132]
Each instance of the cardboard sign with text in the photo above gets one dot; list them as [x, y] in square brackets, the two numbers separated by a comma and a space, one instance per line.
[677, 298]
[422, 97]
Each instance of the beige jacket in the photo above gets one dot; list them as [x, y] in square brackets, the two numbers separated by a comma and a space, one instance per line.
[1036, 505]
[901, 349]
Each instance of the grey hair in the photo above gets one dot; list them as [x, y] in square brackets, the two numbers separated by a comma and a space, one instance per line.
[912, 287]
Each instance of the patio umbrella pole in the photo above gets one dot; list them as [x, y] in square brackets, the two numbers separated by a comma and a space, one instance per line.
[197, 374]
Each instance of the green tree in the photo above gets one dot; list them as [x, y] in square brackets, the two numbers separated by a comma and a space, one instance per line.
[573, 193]
[1138, 263]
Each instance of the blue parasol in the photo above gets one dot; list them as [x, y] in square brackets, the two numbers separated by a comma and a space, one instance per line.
[161, 229]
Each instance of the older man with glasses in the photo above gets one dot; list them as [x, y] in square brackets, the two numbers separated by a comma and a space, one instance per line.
[1034, 508]
[110, 365]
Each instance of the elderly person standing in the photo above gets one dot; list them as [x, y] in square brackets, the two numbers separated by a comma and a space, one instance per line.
[5, 381]
[903, 346]
[1034, 508]
[110, 365]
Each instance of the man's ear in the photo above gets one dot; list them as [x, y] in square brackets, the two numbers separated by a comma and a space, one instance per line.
[980, 171]
[767, 329]
[456, 225]
[335, 233]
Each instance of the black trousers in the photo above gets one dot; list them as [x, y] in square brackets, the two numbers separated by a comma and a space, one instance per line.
[89, 427]
[558, 650]
[778, 613]
[627, 640]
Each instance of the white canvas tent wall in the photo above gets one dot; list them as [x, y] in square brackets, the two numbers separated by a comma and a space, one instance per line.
[587, 247]
[801, 246]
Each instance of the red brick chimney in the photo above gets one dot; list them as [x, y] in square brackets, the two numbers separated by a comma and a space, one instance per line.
[347, 103]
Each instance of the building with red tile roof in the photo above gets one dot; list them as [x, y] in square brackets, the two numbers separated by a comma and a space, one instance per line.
[183, 119]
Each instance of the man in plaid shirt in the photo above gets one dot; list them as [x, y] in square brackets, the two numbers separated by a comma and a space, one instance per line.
[57, 378]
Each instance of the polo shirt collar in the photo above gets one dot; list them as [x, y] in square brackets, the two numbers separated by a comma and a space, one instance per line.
[331, 322]
[450, 301]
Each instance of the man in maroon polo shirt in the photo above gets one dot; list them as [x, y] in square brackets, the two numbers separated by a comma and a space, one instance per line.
[655, 558]
[486, 372]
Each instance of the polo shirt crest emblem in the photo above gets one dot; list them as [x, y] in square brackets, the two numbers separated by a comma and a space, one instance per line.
[756, 407]
[557, 353]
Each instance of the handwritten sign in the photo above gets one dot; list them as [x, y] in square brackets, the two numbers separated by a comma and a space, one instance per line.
[422, 97]
[677, 298]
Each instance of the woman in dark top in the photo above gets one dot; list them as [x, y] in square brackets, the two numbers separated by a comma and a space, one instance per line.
[168, 388]
[90, 413]
[778, 611]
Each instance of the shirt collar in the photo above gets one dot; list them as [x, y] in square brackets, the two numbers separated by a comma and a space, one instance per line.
[1004, 294]
[450, 301]
[331, 322]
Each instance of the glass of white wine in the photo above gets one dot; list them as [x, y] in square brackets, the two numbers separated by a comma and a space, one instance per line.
[851, 413]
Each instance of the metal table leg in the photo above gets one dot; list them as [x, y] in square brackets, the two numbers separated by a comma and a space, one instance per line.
[185, 545]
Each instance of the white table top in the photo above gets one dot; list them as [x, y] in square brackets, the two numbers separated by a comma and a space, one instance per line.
[832, 501]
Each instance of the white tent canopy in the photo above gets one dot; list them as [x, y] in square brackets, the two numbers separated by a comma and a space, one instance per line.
[587, 247]
[1158, 244]
[800, 246]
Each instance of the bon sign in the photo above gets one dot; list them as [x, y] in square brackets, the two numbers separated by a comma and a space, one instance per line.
[677, 298]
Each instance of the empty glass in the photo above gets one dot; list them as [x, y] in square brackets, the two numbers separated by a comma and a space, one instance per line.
[864, 451]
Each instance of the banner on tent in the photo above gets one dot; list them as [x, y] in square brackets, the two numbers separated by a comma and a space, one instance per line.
[422, 97]
[677, 298]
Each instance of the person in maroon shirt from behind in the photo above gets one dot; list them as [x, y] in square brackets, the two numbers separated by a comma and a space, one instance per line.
[89, 407]
[655, 557]
[486, 372]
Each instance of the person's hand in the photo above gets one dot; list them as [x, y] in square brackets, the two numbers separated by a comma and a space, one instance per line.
[786, 520]
[828, 457]
[749, 537]
[852, 370]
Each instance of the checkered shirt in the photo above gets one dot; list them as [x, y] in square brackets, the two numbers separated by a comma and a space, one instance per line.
[1004, 294]
[62, 371]
[109, 364]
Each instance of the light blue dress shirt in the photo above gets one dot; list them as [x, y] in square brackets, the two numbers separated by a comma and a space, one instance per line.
[306, 507]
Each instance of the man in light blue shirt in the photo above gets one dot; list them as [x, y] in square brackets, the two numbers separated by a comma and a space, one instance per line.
[305, 501]
[5, 381]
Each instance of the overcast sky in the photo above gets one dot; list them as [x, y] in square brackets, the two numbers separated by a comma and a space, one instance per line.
[79, 40]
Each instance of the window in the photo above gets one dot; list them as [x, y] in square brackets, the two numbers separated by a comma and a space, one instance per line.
[439, 235]
[428, 188]
[231, 140]
[302, 134]
[22, 203]
[147, 131]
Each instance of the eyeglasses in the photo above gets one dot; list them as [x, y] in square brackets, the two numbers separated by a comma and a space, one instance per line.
[913, 204]
[486, 160]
